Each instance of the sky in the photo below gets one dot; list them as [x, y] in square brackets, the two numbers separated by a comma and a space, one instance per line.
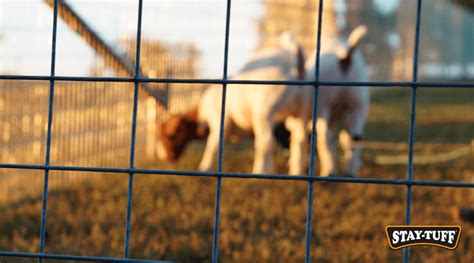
[26, 26]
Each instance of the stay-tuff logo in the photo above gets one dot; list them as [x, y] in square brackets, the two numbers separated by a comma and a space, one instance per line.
[405, 236]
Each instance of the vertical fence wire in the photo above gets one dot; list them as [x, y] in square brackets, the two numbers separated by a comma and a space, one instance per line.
[314, 115]
[48, 136]
[215, 242]
[133, 135]
[406, 251]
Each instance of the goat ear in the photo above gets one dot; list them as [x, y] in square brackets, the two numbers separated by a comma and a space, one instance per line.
[355, 38]
[300, 63]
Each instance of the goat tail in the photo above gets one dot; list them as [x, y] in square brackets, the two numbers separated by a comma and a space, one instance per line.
[300, 63]
[289, 41]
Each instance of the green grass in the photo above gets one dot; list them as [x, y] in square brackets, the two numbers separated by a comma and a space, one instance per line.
[443, 115]
[262, 220]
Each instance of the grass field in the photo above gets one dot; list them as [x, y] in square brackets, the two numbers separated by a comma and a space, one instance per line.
[262, 220]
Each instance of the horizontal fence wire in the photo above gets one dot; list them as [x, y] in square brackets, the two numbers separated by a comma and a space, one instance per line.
[241, 175]
[409, 182]
[76, 258]
[421, 84]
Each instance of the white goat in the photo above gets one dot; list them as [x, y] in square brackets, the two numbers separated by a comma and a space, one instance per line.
[251, 107]
[350, 105]
[257, 108]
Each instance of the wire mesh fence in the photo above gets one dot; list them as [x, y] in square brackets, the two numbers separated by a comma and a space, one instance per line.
[90, 124]
[82, 137]
[63, 115]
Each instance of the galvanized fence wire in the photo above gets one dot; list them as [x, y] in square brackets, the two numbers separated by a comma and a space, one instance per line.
[48, 136]
[134, 128]
[215, 241]
[309, 211]
[411, 136]
[131, 170]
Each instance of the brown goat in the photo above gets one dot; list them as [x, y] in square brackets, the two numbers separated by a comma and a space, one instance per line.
[175, 133]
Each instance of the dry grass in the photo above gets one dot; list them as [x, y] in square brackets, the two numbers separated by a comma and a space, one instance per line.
[262, 220]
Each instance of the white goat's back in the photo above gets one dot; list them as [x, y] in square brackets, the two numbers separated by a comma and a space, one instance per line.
[245, 102]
